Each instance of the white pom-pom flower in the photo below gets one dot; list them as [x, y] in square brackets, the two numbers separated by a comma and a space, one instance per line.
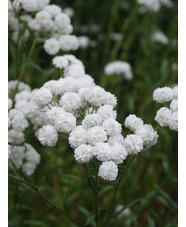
[132, 122]
[48, 135]
[70, 101]
[148, 135]
[108, 171]
[60, 62]
[43, 96]
[52, 46]
[111, 126]
[163, 116]
[77, 137]
[83, 153]
[162, 95]
[133, 144]
[103, 151]
[91, 120]
[96, 134]
[119, 153]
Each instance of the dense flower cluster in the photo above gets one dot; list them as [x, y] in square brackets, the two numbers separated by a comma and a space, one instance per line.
[160, 37]
[48, 23]
[144, 134]
[21, 154]
[154, 5]
[75, 105]
[119, 68]
[167, 116]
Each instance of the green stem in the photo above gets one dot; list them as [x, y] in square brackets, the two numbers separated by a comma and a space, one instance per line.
[96, 194]
[116, 190]
[43, 197]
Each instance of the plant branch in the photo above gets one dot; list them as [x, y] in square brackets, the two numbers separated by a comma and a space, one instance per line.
[43, 197]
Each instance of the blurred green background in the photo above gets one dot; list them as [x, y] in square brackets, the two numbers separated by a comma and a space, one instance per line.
[152, 177]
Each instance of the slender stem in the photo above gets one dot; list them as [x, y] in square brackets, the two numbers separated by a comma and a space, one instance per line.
[43, 197]
[116, 190]
[96, 194]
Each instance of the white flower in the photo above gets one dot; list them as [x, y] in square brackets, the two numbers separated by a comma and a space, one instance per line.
[164, 94]
[106, 111]
[17, 154]
[21, 86]
[108, 171]
[69, 11]
[43, 96]
[19, 122]
[53, 10]
[83, 153]
[68, 42]
[29, 5]
[9, 103]
[174, 105]
[148, 135]
[175, 92]
[96, 134]
[53, 86]
[103, 151]
[160, 37]
[70, 101]
[48, 135]
[53, 113]
[74, 70]
[117, 138]
[65, 122]
[43, 18]
[83, 41]
[31, 154]
[119, 67]
[97, 96]
[62, 21]
[119, 153]
[23, 95]
[77, 137]
[34, 25]
[15, 137]
[133, 144]
[60, 62]
[163, 116]
[28, 168]
[111, 126]
[173, 121]
[152, 5]
[132, 122]
[52, 46]
[91, 120]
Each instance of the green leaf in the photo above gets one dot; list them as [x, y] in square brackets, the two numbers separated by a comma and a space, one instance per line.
[156, 215]
[88, 176]
[65, 204]
[90, 219]
[35, 223]
[114, 218]
[74, 177]
[105, 189]
[103, 212]
[151, 222]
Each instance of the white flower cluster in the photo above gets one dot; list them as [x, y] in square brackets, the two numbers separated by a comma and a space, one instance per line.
[167, 116]
[21, 154]
[77, 106]
[119, 68]
[160, 37]
[144, 134]
[154, 5]
[49, 24]
[24, 157]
